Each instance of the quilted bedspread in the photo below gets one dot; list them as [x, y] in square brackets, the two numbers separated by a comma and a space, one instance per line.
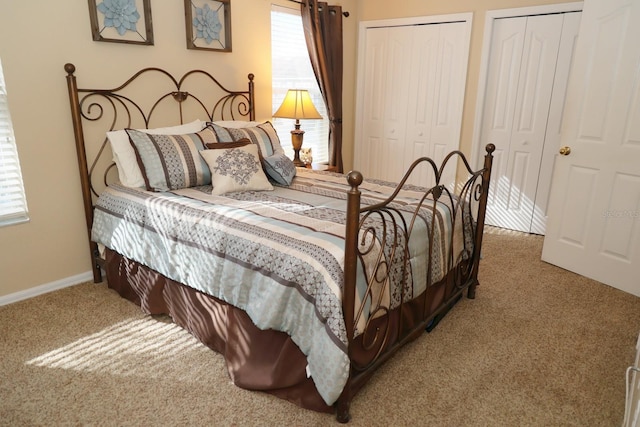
[278, 255]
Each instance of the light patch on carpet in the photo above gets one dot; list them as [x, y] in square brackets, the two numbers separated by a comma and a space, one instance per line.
[133, 347]
[498, 231]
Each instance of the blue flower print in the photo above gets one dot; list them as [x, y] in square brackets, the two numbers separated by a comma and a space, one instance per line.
[119, 14]
[207, 24]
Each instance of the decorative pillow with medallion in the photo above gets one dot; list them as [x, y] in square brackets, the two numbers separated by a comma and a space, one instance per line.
[275, 163]
[236, 168]
[171, 162]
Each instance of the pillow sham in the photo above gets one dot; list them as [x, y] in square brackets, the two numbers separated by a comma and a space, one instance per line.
[276, 164]
[235, 169]
[124, 155]
[263, 135]
[171, 162]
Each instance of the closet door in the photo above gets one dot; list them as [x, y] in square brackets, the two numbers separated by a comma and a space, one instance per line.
[410, 97]
[516, 111]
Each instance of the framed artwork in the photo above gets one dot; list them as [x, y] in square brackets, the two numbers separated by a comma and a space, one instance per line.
[121, 21]
[208, 24]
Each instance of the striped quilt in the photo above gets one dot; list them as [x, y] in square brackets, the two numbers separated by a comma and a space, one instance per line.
[278, 255]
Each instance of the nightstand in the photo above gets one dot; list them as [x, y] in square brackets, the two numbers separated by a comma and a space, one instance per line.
[322, 167]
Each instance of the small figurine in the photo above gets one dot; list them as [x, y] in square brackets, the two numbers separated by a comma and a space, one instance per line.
[306, 156]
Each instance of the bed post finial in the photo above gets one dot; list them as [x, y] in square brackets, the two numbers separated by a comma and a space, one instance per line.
[69, 68]
[354, 178]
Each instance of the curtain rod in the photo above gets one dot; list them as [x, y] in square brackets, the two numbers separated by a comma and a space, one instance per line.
[346, 14]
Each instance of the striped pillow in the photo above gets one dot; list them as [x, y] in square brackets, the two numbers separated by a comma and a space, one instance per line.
[275, 163]
[171, 162]
[263, 135]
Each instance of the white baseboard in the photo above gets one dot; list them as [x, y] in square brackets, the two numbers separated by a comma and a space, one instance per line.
[47, 287]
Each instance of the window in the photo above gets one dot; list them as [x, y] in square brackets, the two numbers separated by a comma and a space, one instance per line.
[13, 205]
[291, 69]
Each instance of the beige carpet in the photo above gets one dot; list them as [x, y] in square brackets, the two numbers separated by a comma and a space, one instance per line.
[539, 346]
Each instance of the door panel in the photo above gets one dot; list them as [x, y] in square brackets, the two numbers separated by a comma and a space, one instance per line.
[519, 125]
[499, 106]
[541, 45]
[400, 42]
[421, 98]
[386, 57]
[449, 97]
[373, 108]
[578, 198]
[516, 199]
[600, 126]
[625, 198]
[570, 27]
[411, 99]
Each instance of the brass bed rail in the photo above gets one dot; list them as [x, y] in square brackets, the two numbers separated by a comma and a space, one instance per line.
[468, 204]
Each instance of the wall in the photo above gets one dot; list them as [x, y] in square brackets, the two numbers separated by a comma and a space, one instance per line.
[36, 40]
[378, 9]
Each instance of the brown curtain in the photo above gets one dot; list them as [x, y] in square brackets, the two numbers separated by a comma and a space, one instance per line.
[323, 32]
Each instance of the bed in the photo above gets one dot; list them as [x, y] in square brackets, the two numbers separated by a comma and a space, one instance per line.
[305, 281]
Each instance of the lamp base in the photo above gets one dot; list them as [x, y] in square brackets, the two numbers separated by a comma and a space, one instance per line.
[296, 159]
[296, 141]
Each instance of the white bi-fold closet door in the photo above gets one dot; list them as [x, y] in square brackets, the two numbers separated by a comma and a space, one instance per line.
[411, 82]
[527, 74]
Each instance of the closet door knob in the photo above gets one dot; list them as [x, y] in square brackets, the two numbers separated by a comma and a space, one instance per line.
[565, 151]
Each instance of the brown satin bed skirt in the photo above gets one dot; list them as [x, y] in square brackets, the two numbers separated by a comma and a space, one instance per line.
[263, 360]
[271, 363]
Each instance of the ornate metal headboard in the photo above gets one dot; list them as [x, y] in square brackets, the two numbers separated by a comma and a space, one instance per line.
[151, 97]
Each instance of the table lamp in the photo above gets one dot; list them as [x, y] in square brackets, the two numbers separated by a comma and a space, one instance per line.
[297, 105]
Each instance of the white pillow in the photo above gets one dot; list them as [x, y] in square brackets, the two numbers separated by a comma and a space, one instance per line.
[124, 156]
[236, 169]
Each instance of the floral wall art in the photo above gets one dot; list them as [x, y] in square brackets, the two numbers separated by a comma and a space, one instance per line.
[208, 24]
[121, 21]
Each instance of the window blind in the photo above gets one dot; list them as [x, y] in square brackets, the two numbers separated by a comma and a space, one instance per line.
[291, 69]
[13, 204]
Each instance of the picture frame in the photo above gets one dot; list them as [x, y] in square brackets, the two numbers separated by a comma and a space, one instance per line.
[138, 29]
[208, 24]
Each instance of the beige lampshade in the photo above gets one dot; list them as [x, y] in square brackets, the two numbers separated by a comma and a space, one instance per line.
[297, 105]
